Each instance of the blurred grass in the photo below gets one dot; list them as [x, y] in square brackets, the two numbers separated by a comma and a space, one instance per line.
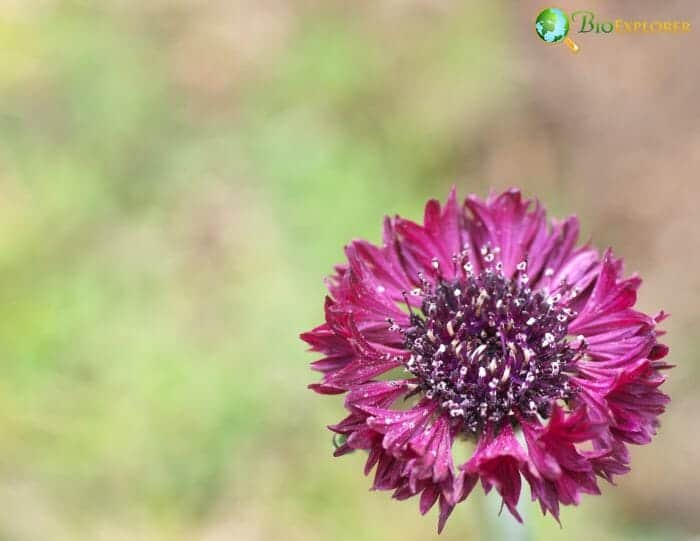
[159, 256]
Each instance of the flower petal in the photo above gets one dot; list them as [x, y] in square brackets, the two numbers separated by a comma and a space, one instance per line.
[497, 461]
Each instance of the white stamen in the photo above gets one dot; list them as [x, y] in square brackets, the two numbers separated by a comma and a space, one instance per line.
[492, 365]
[506, 374]
[548, 339]
[554, 299]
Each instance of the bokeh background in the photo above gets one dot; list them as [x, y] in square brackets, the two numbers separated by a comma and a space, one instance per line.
[176, 178]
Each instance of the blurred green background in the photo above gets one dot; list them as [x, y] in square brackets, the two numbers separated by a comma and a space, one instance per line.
[177, 177]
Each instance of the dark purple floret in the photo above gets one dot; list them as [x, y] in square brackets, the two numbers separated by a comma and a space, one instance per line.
[487, 347]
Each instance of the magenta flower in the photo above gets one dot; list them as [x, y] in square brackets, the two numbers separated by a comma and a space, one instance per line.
[481, 325]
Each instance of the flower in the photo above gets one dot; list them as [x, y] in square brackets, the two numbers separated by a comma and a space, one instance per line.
[487, 325]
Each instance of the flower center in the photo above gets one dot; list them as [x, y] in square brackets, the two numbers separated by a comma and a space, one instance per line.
[487, 347]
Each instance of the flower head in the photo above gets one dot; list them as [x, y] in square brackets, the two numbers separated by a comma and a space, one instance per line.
[488, 325]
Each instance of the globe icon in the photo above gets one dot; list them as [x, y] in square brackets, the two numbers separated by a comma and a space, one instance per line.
[552, 25]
